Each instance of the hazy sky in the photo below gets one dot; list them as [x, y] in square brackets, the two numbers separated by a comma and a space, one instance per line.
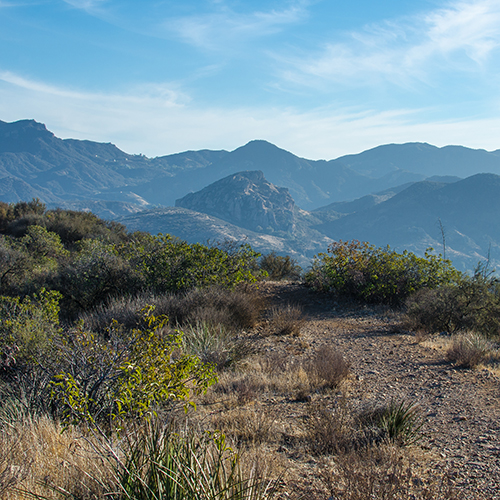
[320, 78]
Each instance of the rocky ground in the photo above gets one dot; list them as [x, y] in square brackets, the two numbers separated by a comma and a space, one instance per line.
[461, 408]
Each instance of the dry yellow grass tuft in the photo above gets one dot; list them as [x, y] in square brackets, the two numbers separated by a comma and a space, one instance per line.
[41, 459]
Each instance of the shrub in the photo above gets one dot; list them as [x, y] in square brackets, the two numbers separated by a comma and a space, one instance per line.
[329, 431]
[212, 344]
[232, 310]
[22, 209]
[27, 328]
[472, 303]
[287, 320]
[361, 271]
[95, 274]
[119, 378]
[73, 226]
[397, 422]
[280, 268]
[468, 350]
[327, 368]
[14, 264]
[167, 264]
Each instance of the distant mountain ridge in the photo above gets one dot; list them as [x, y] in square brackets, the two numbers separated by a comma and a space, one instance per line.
[35, 162]
[254, 193]
[468, 210]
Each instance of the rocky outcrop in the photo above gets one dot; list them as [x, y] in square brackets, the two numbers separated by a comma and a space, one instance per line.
[246, 199]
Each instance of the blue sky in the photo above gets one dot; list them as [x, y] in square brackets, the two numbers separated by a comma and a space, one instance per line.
[320, 78]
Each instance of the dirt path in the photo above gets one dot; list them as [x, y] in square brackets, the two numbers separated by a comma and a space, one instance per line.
[461, 407]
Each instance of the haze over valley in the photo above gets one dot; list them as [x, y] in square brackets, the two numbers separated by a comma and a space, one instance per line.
[409, 196]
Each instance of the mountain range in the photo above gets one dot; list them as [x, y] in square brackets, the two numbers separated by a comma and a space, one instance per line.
[407, 195]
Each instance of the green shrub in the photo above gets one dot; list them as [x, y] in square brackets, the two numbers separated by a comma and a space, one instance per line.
[402, 422]
[364, 272]
[280, 268]
[126, 377]
[22, 209]
[28, 327]
[167, 264]
[15, 263]
[472, 303]
[73, 226]
[94, 275]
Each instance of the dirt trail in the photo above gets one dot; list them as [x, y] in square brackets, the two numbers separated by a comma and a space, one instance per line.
[461, 407]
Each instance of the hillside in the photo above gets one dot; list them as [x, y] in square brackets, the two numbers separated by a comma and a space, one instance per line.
[199, 227]
[246, 199]
[468, 211]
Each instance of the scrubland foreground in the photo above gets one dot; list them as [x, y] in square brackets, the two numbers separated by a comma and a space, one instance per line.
[348, 405]
[139, 367]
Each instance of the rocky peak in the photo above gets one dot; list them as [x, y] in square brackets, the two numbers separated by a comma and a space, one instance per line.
[23, 136]
[246, 199]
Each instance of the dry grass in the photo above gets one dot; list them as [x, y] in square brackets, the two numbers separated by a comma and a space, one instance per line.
[468, 350]
[287, 320]
[252, 425]
[382, 472]
[41, 459]
[327, 368]
[231, 309]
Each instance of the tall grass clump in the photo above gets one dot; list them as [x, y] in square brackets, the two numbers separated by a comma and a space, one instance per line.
[469, 349]
[286, 320]
[231, 309]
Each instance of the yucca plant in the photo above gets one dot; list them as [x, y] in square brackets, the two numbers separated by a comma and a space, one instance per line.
[402, 422]
[162, 465]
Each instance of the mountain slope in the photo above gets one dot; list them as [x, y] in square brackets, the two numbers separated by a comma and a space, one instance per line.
[198, 227]
[246, 199]
[467, 210]
[69, 169]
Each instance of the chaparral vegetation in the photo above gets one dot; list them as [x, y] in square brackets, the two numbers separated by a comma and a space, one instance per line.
[135, 366]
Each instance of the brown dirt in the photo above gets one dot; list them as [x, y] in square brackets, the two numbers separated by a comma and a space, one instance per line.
[461, 408]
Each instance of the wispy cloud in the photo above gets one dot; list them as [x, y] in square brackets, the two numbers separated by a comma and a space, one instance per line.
[155, 120]
[159, 93]
[216, 29]
[457, 37]
[88, 5]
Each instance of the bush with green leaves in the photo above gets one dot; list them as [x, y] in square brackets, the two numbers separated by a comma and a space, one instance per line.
[358, 270]
[126, 376]
[167, 264]
[95, 273]
[28, 327]
[280, 267]
[15, 263]
[471, 303]
[10, 212]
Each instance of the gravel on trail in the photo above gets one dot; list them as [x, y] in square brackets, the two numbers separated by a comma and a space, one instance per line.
[461, 407]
